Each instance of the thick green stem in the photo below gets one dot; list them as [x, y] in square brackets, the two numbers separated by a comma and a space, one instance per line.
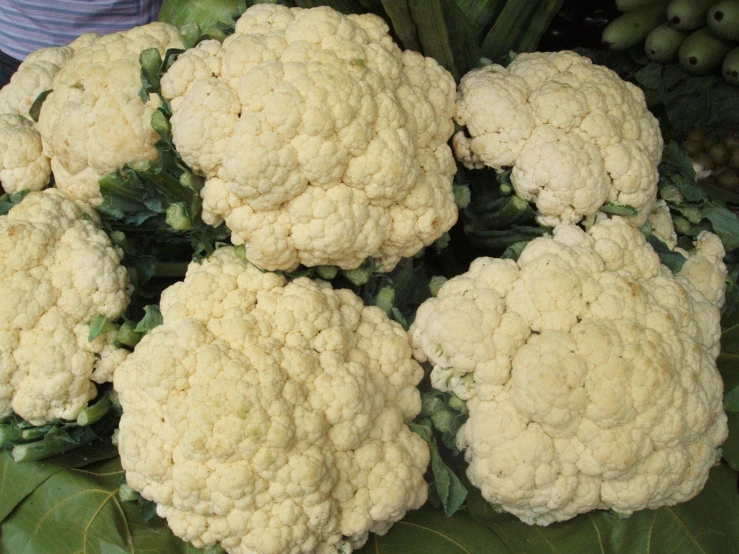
[94, 413]
[385, 298]
[117, 184]
[435, 284]
[164, 180]
[54, 443]
[34, 433]
[127, 335]
[178, 217]
[359, 276]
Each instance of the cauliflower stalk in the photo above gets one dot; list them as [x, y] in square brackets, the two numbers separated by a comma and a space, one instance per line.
[268, 416]
[58, 270]
[576, 134]
[322, 143]
[589, 372]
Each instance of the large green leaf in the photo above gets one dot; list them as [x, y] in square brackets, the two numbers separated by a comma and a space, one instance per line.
[730, 448]
[18, 480]
[708, 524]
[203, 12]
[428, 531]
[728, 365]
[428, 15]
[445, 34]
[78, 510]
[509, 25]
[403, 25]
[481, 14]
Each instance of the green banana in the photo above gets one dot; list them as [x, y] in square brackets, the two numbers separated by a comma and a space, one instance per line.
[663, 43]
[730, 67]
[688, 15]
[701, 52]
[723, 19]
[631, 28]
[630, 5]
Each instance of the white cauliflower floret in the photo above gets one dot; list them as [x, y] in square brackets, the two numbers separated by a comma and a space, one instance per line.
[661, 224]
[34, 76]
[576, 135]
[22, 161]
[705, 267]
[94, 121]
[268, 416]
[321, 142]
[58, 270]
[589, 372]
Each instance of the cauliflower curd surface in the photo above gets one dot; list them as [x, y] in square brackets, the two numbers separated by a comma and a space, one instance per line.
[322, 143]
[58, 270]
[589, 371]
[269, 416]
[575, 133]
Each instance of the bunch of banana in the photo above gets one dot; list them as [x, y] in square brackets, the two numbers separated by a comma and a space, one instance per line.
[701, 35]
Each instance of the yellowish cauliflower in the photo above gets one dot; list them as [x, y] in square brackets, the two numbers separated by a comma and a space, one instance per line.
[321, 141]
[23, 164]
[705, 268]
[22, 161]
[58, 269]
[269, 416]
[589, 372]
[576, 134]
[94, 121]
[36, 75]
[660, 221]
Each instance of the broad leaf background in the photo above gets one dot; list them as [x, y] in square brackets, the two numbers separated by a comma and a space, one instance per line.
[708, 524]
[77, 509]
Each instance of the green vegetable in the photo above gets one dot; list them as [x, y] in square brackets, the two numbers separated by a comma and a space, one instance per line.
[72, 505]
[688, 15]
[631, 28]
[206, 13]
[730, 67]
[631, 5]
[663, 43]
[680, 529]
[701, 52]
[723, 19]
[508, 27]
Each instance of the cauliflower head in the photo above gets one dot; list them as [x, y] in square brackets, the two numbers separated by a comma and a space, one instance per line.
[94, 121]
[22, 161]
[58, 270]
[34, 76]
[269, 416]
[576, 134]
[589, 372]
[322, 143]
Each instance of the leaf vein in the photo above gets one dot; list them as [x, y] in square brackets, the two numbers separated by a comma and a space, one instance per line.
[434, 531]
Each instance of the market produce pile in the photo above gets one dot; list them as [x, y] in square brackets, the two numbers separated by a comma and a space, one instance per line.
[364, 277]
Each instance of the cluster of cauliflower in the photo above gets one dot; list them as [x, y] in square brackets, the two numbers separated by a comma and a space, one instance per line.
[589, 371]
[269, 415]
[575, 133]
